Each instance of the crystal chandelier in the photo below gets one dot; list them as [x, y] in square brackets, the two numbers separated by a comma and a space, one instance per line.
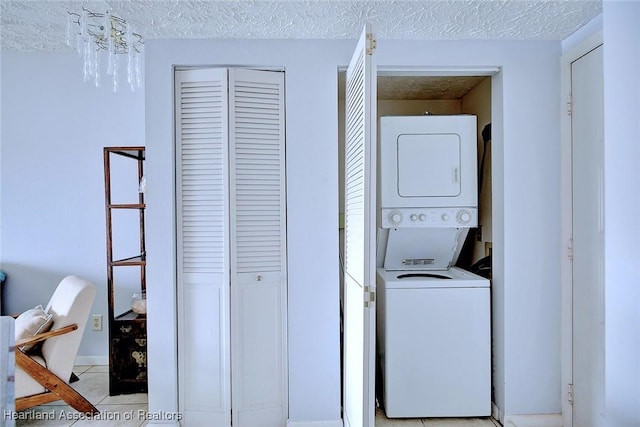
[102, 38]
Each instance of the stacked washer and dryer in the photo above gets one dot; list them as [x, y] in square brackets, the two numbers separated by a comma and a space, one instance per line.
[434, 333]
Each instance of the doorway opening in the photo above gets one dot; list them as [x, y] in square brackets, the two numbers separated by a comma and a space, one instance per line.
[409, 94]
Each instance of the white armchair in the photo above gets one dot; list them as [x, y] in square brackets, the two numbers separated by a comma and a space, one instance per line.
[43, 376]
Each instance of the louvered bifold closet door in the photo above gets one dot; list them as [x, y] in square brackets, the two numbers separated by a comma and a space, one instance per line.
[203, 246]
[258, 253]
[359, 232]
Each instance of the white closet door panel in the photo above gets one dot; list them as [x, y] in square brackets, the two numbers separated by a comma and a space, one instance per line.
[203, 246]
[257, 334]
[360, 205]
[259, 398]
[208, 400]
[258, 253]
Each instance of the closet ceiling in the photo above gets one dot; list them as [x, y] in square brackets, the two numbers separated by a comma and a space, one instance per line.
[39, 25]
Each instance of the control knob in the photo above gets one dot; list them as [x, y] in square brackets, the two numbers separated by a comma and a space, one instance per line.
[395, 217]
[464, 217]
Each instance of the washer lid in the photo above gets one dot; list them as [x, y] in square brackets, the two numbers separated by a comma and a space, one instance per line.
[453, 277]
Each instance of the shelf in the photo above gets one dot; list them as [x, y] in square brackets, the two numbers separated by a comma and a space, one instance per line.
[127, 206]
[133, 152]
[130, 315]
[136, 260]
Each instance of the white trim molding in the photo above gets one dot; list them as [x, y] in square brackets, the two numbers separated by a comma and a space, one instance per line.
[335, 423]
[540, 420]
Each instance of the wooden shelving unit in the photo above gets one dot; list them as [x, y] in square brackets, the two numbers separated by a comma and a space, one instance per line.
[127, 329]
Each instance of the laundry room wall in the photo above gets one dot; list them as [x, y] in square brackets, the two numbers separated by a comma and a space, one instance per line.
[478, 102]
[525, 210]
[413, 107]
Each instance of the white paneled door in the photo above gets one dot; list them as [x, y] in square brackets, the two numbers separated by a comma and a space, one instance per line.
[587, 145]
[231, 254]
[359, 231]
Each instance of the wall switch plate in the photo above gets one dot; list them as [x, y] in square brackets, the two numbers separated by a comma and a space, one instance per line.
[96, 322]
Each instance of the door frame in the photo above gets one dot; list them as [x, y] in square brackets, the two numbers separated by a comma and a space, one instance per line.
[566, 224]
[494, 72]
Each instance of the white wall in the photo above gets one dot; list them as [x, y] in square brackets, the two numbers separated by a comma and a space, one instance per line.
[312, 183]
[621, 36]
[54, 127]
[525, 208]
[52, 185]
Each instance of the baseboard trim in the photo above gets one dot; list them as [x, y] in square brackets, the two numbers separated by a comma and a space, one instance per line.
[92, 360]
[539, 420]
[335, 423]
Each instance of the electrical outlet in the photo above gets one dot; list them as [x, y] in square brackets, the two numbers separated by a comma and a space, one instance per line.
[96, 322]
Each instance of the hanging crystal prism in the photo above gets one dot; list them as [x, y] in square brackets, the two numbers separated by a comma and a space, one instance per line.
[115, 74]
[104, 31]
[97, 69]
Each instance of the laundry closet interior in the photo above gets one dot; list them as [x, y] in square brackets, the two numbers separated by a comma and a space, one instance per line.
[419, 93]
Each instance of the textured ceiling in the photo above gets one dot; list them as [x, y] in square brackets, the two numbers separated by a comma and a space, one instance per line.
[28, 25]
[426, 87]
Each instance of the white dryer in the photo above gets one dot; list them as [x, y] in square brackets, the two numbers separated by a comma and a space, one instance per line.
[434, 343]
[428, 161]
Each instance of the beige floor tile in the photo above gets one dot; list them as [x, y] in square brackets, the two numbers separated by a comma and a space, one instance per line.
[99, 368]
[458, 422]
[398, 422]
[116, 416]
[46, 415]
[122, 399]
[383, 421]
[93, 386]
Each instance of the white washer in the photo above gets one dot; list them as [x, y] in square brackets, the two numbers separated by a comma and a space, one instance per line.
[434, 343]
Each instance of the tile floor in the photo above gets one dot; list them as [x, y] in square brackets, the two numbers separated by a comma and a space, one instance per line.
[383, 421]
[94, 385]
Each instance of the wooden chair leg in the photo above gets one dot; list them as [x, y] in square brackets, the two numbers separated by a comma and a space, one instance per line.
[54, 384]
[27, 402]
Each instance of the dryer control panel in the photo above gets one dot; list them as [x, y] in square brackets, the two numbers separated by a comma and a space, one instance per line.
[429, 217]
